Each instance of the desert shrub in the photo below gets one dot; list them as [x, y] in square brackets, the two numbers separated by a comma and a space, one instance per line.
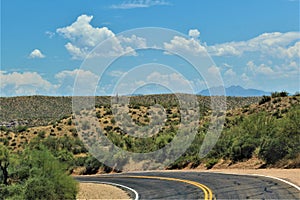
[276, 100]
[108, 128]
[279, 94]
[37, 174]
[264, 99]
[272, 150]
[113, 121]
[12, 192]
[20, 129]
[98, 115]
[39, 188]
[284, 94]
[3, 128]
[210, 163]
[247, 150]
[42, 134]
[69, 122]
[92, 165]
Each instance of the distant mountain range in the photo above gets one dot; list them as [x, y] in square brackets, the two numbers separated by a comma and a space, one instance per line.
[236, 91]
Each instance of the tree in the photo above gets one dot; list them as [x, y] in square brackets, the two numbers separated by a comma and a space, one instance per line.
[48, 173]
[36, 174]
[4, 163]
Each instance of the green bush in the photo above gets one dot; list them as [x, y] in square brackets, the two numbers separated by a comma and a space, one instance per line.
[264, 99]
[20, 129]
[211, 162]
[39, 188]
[37, 174]
[272, 150]
[279, 94]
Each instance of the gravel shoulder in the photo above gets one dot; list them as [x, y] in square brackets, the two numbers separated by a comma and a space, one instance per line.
[100, 191]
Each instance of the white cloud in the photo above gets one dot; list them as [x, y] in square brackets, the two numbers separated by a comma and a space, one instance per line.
[116, 73]
[139, 4]
[50, 34]
[265, 70]
[224, 50]
[293, 51]
[173, 81]
[245, 77]
[82, 32]
[26, 83]
[86, 82]
[83, 38]
[227, 65]
[230, 73]
[277, 76]
[288, 70]
[32, 83]
[213, 71]
[36, 53]
[77, 52]
[194, 33]
[182, 45]
[274, 44]
[134, 41]
[154, 82]
[261, 69]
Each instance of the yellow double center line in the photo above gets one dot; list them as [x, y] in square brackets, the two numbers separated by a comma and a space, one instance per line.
[208, 195]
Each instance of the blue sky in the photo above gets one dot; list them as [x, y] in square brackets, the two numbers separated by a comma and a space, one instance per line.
[253, 43]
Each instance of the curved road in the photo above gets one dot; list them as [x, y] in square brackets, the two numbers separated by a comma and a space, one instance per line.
[199, 185]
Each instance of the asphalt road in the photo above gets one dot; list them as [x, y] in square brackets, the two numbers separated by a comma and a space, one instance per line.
[199, 185]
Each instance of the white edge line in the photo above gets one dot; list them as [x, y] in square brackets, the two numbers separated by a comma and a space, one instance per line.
[115, 184]
[272, 177]
[280, 179]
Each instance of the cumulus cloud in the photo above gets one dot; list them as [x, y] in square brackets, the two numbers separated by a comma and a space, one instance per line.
[82, 82]
[36, 53]
[293, 51]
[213, 70]
[155, 82]
[32, 83]
[230, 73]
[274, 44]
[265, 71]
[83, 38]
[139, 4]
[173, 81]
[26, 83]
[194, 33]
[182, 45]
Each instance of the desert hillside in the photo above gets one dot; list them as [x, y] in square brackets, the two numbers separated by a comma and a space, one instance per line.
[258, 131]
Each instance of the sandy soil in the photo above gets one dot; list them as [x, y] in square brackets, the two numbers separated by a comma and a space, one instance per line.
[100, 191]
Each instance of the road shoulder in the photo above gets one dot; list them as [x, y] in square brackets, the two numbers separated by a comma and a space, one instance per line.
[291, 175]
[100, 191]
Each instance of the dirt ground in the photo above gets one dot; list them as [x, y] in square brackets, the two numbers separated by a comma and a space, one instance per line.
[100, 191]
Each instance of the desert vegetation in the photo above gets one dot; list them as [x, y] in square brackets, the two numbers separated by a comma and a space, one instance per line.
[34, 174]
[265, 128]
